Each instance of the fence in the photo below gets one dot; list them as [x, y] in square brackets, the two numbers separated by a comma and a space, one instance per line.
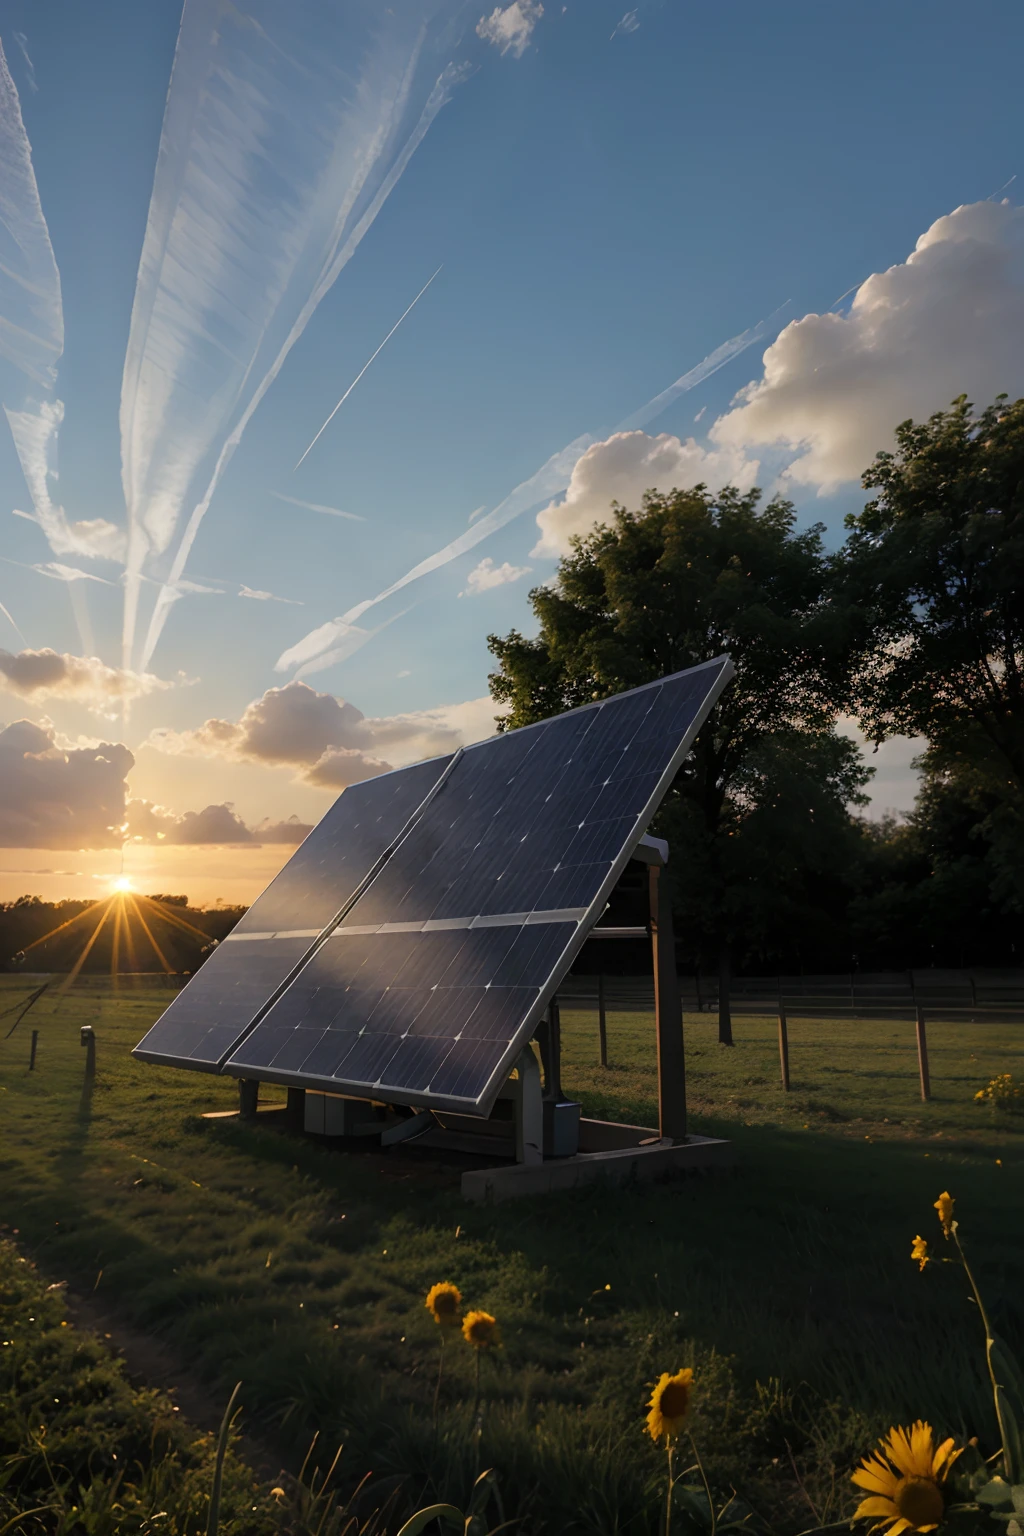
[942, 995]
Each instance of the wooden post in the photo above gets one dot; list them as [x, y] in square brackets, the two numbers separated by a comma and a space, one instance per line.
[32, 1051]
[88, 1039]
[248, 1097]
[783, 1045]
[602, 1021]
[922, 1056]
[724, 997]
[667, 1013]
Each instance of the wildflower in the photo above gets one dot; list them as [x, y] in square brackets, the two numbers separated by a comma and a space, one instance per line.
[919, 1251]
[277, 1493]
[944, 1205]
[480, 1329]
[904, 1478]
[670, 1404]
[443, 1303]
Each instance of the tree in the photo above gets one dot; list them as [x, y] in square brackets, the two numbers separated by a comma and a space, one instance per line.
[935, 564]
[686, 578]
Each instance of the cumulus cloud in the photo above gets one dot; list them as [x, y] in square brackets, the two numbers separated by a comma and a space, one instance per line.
[511, 27]
[947, 321]
[486, 575]
[622, 468]
[59, 795]
[49, 674]
[328, 740]
[60, 798]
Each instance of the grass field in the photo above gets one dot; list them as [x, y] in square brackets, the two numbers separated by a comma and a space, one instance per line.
[787, 1284]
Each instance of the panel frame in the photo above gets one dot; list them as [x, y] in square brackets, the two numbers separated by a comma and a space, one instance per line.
[482, 1105]
[162, 1058]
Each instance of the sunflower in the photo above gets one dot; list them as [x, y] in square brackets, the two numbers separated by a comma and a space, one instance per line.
[944, 1205]
[919, 1252]
[481, 1330]
[670, 1404]
[443, 1303]
[905, 1477]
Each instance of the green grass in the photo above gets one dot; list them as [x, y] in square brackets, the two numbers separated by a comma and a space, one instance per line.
[787, 1284]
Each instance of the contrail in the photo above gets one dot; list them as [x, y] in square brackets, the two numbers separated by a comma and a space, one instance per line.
[711, 364]
[321, 648]
[366, 365]
[10, 619]
[315, 506]
[229, 275]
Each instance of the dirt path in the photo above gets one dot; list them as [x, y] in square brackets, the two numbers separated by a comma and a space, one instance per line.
[150, 1362]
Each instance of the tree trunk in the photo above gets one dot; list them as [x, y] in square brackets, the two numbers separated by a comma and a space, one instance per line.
[724, 984]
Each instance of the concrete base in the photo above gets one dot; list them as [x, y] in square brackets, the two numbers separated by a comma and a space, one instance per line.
[656, 1159]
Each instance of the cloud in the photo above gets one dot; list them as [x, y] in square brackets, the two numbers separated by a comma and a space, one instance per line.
[66, 573]
[947, 321]
[329, 741]
[61, 795]
[47, 674]
[625, 466]
[267, 597]
[60, 798]
[486, 575]
[510, 28]
[629, 23]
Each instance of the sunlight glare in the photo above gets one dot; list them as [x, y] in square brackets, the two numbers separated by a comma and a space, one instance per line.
[122, 884]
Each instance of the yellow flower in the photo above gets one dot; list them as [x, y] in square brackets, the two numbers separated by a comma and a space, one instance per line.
[277, 1493]
[670, 1404]
[904, 1478]
[480, 1329]
[920, 1252]
[443, 1303]
[944, 1205]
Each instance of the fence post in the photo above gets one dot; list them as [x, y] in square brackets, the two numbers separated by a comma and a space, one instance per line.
[602, 1022]
[922, 1056]
[88, 1039]
[783, 1045]
[32, 1051]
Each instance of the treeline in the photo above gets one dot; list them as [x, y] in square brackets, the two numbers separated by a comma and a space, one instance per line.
[914, 627]
[122, 934]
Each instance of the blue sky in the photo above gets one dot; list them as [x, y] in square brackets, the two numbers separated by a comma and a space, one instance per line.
[606, 210]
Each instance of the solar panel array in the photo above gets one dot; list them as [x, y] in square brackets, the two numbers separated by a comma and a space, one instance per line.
[423, 989]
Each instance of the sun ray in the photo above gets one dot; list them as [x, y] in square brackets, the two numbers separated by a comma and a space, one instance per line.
[115, 948]
[60, 928]
[170, 916]
[72, 975]
[149, 935]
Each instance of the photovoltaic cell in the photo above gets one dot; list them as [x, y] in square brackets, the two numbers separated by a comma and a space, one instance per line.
[213, 1012]
[437, 974]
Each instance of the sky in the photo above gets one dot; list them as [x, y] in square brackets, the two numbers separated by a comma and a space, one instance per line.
[604, 251]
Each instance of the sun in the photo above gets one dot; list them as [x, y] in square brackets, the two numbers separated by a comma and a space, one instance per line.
[121, 884]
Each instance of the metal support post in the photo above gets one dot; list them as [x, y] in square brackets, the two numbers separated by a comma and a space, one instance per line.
[248, 1097]
[296, 1112]
[667, 1012]
[529, 1109]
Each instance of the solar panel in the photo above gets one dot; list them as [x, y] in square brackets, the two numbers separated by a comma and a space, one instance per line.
[426, 990]
[212, 1013]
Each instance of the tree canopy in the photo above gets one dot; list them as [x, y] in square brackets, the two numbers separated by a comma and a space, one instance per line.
[935, 564]
[759, 809]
